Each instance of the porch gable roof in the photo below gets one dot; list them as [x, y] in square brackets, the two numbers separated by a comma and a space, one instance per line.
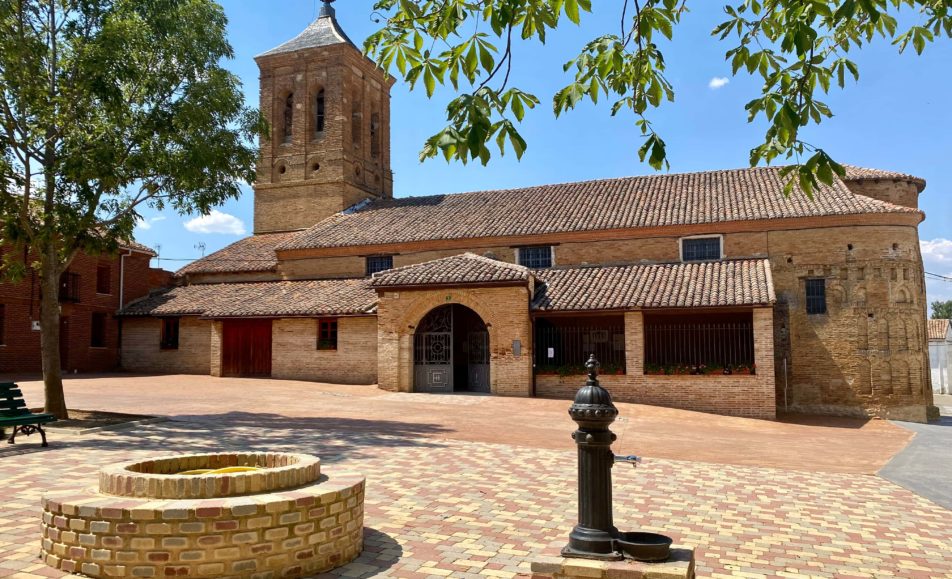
[674, 285]
[462, 269]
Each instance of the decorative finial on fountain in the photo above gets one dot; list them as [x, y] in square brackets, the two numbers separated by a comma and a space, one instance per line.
[592, 366]
[327, 11]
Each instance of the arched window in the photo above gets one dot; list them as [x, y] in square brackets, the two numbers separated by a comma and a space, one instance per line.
[375, 135]
[289, 118]
[355, 126]
[319, 112]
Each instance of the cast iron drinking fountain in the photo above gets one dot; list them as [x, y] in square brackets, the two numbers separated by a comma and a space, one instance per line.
[595, 535]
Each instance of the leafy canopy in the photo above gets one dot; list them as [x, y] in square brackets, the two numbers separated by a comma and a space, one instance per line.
[110, 106]
[942, 310]
[799, 48]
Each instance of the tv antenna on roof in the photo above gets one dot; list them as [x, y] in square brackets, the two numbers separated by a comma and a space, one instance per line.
[201, 247]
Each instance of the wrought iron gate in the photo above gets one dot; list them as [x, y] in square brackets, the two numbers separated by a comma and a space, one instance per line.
[433, 352]
[477, 353]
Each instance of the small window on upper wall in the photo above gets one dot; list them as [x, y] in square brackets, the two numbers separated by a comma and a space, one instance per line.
[103, 279]
[377, 263]
[97, 330]
[327, 334]
[701, 249]
[816, 296]
[535, 257]
[170, 334]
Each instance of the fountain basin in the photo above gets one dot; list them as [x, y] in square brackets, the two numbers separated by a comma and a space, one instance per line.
[288, 519]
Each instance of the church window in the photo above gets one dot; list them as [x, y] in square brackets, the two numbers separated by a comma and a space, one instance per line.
[535, 257]
[319, 112]
[378, 263]
[170, 334]
[375, 135]
[289, 118]
[701, 248]
[816, 296]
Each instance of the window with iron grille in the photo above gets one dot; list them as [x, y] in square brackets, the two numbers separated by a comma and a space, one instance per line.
[536, 257]
[97, 330]
[563, 344]
[378, 263]
[103, 279]
[699, 343]
[816, 296]
[170, 334]
[701, 249]
[327, 334]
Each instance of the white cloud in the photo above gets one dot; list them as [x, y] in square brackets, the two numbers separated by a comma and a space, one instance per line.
[937, 259]
[216, 222]
[718, 82]
[146, 224]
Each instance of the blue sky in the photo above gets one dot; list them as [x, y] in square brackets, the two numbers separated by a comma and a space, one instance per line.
[897, 117]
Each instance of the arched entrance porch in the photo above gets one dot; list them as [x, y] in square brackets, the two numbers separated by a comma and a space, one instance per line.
[451, 351]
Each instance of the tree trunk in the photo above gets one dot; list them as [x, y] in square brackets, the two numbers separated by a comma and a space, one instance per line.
[50, 334]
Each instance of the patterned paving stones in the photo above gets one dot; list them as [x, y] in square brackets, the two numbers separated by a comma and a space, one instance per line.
[452, 508]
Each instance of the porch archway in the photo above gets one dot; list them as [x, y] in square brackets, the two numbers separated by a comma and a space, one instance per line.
[451, 346]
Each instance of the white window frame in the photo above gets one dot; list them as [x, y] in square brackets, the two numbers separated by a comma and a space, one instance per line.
[518, 251]
[720, 239]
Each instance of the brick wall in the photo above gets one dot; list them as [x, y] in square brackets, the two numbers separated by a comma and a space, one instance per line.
[504, 310]
[750, 396]
[867, 355]
[21, 351]
[295, 355]
[889, 190]
[141, 351]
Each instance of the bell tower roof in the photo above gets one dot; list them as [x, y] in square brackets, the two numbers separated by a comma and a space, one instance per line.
[324, 31]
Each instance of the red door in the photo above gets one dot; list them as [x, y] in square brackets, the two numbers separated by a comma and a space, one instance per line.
[246, 348]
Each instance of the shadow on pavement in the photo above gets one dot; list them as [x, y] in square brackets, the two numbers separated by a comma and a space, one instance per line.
[329, 438]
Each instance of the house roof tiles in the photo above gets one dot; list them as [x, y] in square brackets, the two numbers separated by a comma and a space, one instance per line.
[466, 268]
[939, 330]
[678, 285]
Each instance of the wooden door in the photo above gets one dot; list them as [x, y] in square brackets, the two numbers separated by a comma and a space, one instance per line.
[246, 348]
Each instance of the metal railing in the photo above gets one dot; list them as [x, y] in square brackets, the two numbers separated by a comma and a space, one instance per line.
[707, 348]
[564, 350]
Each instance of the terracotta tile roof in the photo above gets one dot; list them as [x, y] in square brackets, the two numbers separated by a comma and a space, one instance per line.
[255, 253]
[266, 299]
[136, 246]
[854, 173]
[648, 201]
[939, 329]
[678, 285]
[466, 268]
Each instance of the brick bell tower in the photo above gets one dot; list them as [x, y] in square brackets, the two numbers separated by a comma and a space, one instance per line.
[328, 107]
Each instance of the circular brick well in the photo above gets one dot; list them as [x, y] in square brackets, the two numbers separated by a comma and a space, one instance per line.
[287, 520]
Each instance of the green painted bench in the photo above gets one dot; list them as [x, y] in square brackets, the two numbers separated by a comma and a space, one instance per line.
[14, 412]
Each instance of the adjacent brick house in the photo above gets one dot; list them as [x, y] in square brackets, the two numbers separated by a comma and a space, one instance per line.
[92, 290]
[814, 305]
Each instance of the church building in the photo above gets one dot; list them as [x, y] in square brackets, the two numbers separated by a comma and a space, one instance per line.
[706, 291]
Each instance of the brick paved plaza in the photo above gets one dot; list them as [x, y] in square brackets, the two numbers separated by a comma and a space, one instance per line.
[442, 504]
